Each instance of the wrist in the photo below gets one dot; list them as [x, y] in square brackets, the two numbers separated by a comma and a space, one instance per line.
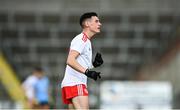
[86, 72]
[94, 65]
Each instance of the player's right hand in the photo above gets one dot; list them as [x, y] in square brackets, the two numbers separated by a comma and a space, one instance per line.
[92, 74]
[98, 61]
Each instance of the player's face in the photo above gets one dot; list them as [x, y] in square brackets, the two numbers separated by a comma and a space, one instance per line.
[39, 74]
[95, 24]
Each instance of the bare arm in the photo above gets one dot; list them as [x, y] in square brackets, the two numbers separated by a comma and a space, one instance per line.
[71, 61]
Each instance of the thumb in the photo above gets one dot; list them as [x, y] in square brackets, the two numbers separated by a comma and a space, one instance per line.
[99, 74]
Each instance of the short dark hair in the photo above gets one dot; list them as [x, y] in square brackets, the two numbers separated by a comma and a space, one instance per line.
[86, 16]
[38, 69]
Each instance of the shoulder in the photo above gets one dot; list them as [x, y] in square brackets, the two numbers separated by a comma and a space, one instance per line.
[33, 79]
[45, 78]
[29, 78]
[80, 38]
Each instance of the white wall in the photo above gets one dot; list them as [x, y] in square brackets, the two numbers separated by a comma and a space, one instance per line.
[170, 72]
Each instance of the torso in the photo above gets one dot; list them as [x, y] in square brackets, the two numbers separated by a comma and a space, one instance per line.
[83, 45]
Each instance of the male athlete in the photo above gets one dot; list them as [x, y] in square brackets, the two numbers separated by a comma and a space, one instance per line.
[28, 87]
[79, 64]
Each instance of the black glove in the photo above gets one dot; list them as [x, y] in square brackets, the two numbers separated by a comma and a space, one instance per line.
[98, 61]
[92, 74]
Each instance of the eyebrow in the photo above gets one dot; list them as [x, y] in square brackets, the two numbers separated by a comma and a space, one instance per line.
[97, 20]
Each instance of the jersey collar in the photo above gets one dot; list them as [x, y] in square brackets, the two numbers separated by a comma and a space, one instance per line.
[85, 35]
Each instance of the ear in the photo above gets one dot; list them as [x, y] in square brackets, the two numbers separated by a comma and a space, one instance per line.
[86, 23]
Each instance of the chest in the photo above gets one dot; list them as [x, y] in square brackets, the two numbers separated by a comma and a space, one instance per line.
[87, 49]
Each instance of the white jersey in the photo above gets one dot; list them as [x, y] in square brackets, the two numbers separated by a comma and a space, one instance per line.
[28, 86]
[82, 44]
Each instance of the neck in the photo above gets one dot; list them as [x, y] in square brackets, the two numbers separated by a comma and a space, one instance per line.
[88, 33]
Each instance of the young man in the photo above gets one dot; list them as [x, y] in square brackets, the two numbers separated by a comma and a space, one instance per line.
[41, 90]
[79, 64]
[28, 87]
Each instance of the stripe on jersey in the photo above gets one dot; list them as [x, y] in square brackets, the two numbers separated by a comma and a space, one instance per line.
[80, 89]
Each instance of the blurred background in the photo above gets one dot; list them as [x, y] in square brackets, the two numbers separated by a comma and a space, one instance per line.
[139, 42]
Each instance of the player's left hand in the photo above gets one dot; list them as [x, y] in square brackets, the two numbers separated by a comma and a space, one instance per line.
[98, 61]
[92, 74]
